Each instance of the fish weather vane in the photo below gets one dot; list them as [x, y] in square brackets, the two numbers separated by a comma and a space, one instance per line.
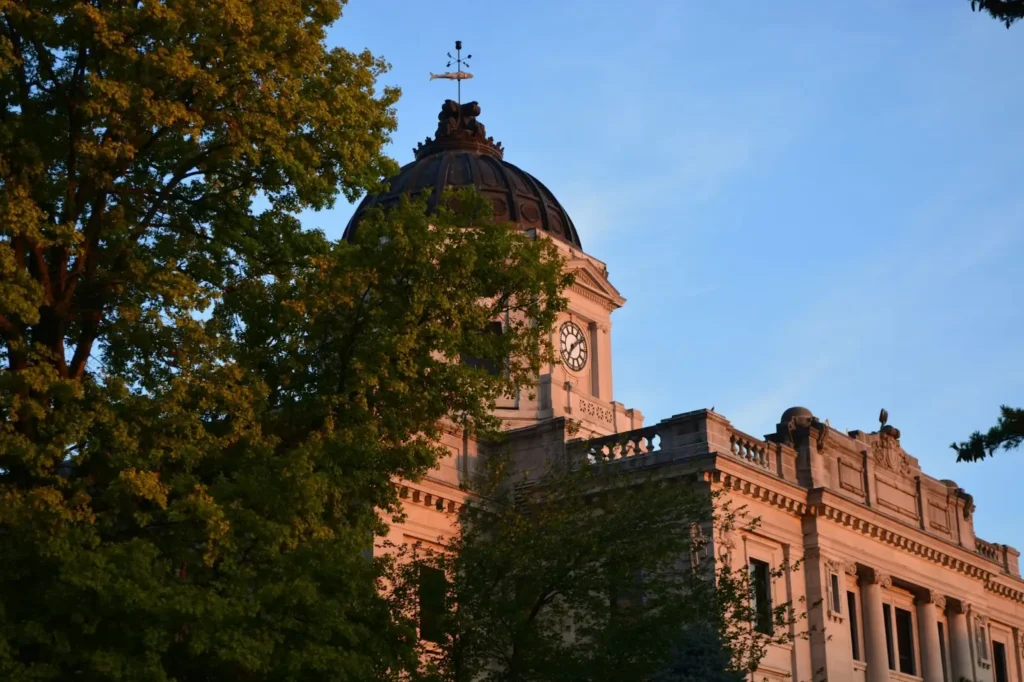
[459, 75]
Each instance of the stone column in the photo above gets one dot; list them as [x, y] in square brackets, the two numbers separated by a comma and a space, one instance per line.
[928, 607]
[960, 643]
[876, 653]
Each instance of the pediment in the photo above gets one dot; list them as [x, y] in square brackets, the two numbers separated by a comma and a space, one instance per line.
[593, 283]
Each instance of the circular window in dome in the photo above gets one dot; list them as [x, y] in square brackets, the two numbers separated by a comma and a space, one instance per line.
[530, 212]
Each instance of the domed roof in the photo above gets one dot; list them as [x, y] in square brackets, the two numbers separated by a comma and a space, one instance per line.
[795, 412]
[461, 155]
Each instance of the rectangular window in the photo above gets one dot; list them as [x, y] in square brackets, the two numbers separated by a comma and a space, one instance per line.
[433, 588]
[982, 641]
[761, 595]
[491, 368]
[999, 654]
[837, 596]
[942, 651]
[627, 594]
[905, 641]
[889, 645]
[851, 605]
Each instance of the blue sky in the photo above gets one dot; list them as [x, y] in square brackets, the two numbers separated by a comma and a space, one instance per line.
[813, 203]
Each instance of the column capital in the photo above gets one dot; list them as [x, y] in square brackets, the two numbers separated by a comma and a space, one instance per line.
[876, 577]
[932, 597]
[959, 606]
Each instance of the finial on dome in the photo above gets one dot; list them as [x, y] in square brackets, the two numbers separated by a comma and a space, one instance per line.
[459, 74]
[458, 128]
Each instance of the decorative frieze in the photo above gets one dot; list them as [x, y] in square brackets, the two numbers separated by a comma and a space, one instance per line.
[869, 528]
[594, 411]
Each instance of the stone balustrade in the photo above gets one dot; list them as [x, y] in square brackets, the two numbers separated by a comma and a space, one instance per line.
[617, 446]
[681, 436]
[989, 550]
[994, 552]
[1004, 555]
[753, 450]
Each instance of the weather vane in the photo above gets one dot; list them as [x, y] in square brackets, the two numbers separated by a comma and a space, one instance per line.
[459, 74]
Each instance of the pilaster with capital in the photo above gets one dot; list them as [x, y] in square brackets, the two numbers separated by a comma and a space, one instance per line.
[929, 605]
[876, 651]
[960, 641]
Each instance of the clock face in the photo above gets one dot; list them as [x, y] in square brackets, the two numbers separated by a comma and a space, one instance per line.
[573, 344]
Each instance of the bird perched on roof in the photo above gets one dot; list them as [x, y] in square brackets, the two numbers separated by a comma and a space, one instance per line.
[883, 416]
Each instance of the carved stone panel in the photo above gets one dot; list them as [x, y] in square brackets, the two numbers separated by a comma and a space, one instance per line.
[938, 516]
[851, 477]
[894, 497]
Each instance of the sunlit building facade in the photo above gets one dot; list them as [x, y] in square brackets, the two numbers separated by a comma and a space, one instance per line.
[898, 585]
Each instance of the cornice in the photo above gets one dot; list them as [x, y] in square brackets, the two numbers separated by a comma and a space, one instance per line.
[758, 491]
[593, 296]
[865, 526]
[598, 288]
[425, 496]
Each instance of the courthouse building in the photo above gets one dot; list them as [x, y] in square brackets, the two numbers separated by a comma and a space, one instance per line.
[901, 587]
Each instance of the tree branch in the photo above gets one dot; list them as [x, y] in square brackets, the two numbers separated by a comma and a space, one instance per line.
[9, 330]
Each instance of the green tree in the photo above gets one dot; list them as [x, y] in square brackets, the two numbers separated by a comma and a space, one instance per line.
[202, 406]
[1006, 11]
[589, 574]
[1008, 433]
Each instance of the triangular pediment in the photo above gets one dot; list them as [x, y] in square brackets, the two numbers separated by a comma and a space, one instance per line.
[593, 283]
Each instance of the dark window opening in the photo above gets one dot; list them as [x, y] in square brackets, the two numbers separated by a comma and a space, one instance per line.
[491, 368]
[887, 617]
[999, 654]
[433, 588]
[761, 594]
[837, 598]
[627, 596]
[942, 652]
[905, 641]
[851, 605]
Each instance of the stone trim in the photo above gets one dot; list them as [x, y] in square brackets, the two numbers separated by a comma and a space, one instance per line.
[866, 527]
[587, 293]
[430, 500]
[757, 491]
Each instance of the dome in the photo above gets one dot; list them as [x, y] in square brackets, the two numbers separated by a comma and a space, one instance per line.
[795, 412]
[460, 156]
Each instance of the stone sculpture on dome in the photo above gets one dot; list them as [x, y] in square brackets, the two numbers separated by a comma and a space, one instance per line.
[457, 125]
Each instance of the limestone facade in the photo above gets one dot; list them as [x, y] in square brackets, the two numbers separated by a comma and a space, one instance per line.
[900, 587]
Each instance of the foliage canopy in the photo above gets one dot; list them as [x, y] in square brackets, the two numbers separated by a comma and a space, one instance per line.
[202, 405]
[1008, 433]
[592, 573]
[1006, 11]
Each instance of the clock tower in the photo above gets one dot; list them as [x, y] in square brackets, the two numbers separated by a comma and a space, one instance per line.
[578, 386]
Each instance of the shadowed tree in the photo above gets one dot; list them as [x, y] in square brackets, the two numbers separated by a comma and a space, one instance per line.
[1008, 434]
[202, 406]
[588, 574]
